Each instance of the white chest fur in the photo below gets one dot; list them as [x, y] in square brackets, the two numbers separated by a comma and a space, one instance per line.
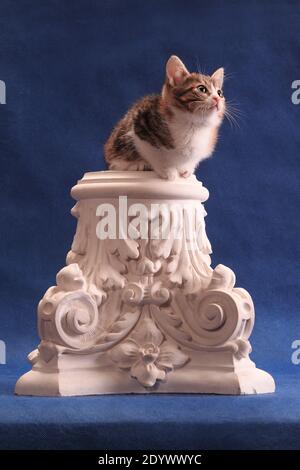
[192, 143]
[191, 140]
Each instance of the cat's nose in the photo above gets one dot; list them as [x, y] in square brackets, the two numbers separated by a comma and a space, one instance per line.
[216, 99]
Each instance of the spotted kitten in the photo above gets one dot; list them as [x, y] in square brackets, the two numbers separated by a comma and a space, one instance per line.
[174, 131]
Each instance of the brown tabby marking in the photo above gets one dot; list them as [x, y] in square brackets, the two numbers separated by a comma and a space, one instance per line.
[148, 117]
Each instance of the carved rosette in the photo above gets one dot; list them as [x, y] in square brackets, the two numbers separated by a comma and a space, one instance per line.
[147, 304]
[147, 354]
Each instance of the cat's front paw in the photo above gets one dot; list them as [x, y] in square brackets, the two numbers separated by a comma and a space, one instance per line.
[138, 165]
[185, 173]
[169, 174]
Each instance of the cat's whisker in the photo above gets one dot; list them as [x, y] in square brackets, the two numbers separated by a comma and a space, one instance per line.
[232, 119]
[233, 103]
[228, 117]
[228, 76]
[234, 106]
[235, 112]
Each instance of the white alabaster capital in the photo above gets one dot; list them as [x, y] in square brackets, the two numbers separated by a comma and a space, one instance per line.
[136, 311]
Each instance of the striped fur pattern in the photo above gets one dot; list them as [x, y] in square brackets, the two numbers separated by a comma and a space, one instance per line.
[173, 132]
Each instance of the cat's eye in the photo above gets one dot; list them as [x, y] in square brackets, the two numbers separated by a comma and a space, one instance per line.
[220, 93]
[202, 88]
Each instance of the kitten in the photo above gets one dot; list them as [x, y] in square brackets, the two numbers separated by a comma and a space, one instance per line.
[171, 132]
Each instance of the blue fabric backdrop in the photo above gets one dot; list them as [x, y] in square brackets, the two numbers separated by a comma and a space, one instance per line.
[71, 69]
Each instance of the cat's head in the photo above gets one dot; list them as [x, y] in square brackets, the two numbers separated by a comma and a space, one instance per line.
[193, 92]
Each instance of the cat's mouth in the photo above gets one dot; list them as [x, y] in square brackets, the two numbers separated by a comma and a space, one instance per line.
[215, 106]
[210, 109]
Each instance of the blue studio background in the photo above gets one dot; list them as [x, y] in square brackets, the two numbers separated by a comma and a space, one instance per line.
[71, 69]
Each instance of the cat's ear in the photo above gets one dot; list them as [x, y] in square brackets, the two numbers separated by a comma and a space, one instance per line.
[218, 78]
[176, 71]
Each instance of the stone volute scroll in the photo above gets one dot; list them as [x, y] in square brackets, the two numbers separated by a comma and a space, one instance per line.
[138, 307]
